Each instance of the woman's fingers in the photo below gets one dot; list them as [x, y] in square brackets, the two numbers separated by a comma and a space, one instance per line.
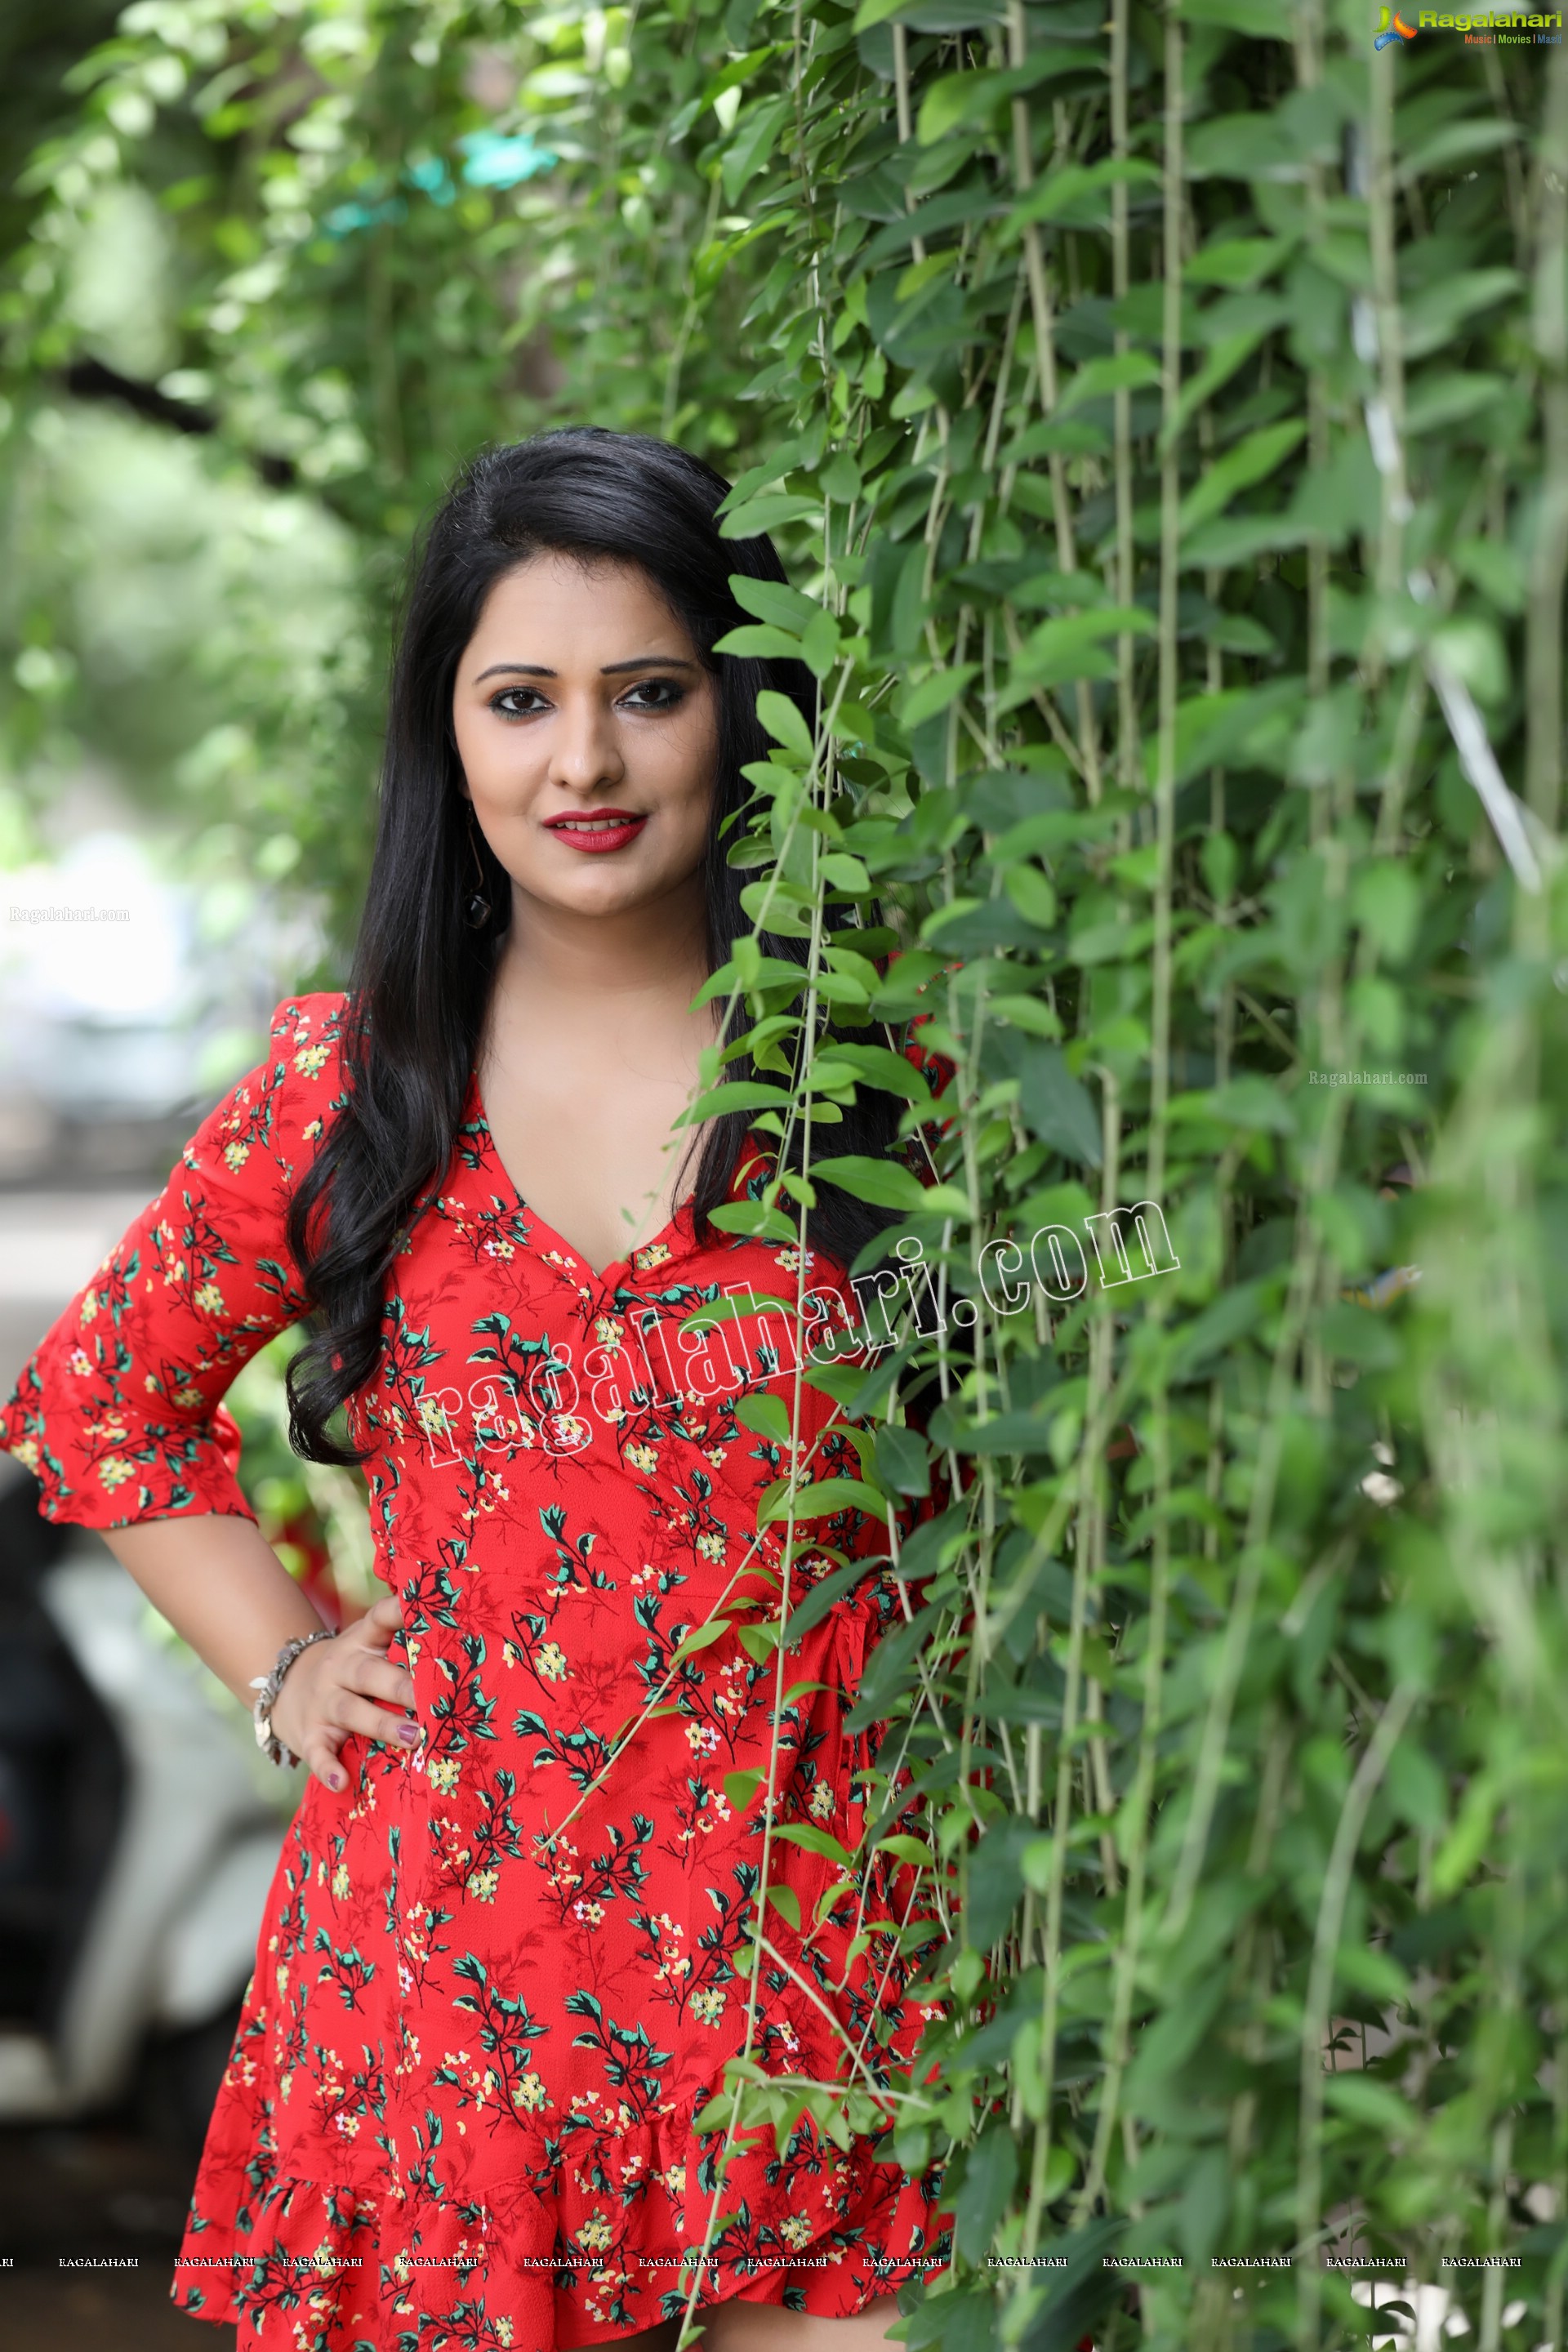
[374, 1677]
[372, 1673]
[377, 1627]
[320, 1756]
[331, 1695]
[372, 1637]
[365, 1721]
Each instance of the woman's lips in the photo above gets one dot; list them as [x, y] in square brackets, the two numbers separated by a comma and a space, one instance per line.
[597, 829]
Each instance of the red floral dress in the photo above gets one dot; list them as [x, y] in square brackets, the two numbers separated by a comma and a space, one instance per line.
[499, 1980]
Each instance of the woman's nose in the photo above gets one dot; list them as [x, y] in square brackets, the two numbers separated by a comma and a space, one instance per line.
[586, 752]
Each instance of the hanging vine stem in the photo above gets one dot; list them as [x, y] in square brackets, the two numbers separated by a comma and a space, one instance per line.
[1337, 1877]
[1549, 556]
[1088, 746]
[1087, 1556]
[1127, 738]
[1136, 1814]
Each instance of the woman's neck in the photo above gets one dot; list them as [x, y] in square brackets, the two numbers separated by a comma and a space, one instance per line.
[583, 968]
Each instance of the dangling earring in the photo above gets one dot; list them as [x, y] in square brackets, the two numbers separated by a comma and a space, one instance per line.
[478, 909]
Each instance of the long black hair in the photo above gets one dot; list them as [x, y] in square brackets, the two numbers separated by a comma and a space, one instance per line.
[422, 975]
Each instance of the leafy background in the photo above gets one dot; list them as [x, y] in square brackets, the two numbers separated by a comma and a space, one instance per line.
[1165, 417]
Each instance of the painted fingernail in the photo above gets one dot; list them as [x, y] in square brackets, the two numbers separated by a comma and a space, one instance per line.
[334, 1779]
[409, 1734]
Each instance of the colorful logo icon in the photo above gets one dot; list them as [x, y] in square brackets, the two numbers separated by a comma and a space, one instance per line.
[1392, 26]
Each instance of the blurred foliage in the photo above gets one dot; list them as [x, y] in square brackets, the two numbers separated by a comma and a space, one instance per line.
[1167, 419]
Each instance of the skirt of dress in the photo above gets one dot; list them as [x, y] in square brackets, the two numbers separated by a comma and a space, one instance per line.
[462, 2108]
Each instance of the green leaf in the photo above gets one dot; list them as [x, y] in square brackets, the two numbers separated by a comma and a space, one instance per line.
[751, 1218]
[1457, 142]
[739, 70]
[1434, 402]
[961, 101]
[1493, 565]
[988, 2172]
[819, 647]
[748, 150]
[1252, 460]
[1373, 1971]
[841, 872]
[1056, 1107]
[701, 1637]
[756, 974]
[824, 1498]
[1434, 316]
[783, 722]
[1238, 260]
[1264, 145]
[1229, 353]
[775, 601]
[822, 1600]
[759, 644]
[1367, 2100]
[1072, 193]
[879, 1067]
[735, 1094]
[787, 1901]
[1072, 647]
[766, 1416]
[1254, 1103]
[1466, 1843]
[1241, 539]
[902, 1460]
[884, 1182]
[933, 695]
[1097, 379]
[1031, 894]
[740, 1787]
[1418, 1787]
[768, 513]
[816, 1840]
[1216, 1330]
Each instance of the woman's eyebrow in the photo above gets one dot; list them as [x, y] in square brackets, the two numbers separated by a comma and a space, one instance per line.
[648, 661]
[610, 669]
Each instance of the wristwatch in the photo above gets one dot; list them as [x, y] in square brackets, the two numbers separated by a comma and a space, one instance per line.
[268, 1687]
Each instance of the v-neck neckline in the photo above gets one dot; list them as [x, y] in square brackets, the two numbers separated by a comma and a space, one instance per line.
[675, 1232]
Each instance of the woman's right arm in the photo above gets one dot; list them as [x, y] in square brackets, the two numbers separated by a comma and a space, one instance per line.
[224, 1589]
[119, 1413]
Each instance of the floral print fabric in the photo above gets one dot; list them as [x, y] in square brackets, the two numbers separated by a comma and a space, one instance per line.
[498, 1981]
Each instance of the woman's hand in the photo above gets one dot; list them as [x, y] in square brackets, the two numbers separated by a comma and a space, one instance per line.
[329, 1694]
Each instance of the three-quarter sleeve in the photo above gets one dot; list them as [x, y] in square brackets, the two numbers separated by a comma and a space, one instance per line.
[119, 1412]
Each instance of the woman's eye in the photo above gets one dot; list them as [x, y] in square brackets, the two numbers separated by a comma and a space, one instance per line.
[663, 694]
[510, 701]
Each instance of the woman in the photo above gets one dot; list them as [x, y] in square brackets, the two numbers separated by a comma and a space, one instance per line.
[509, 1947]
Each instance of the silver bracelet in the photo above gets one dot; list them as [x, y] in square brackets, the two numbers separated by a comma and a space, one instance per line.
[268, 1686]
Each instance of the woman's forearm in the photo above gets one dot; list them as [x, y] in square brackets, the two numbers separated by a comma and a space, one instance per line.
[221, 1586]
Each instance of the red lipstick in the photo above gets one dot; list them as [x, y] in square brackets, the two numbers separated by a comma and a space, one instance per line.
[595, 829]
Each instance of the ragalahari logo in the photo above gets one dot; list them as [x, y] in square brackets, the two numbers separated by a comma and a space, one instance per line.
[1392, 26]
